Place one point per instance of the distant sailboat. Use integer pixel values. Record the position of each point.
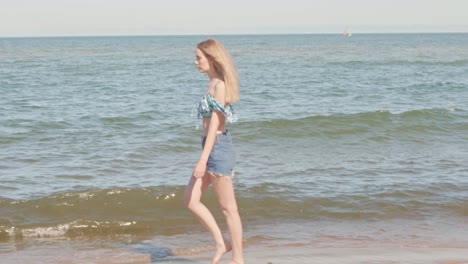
(347, 33)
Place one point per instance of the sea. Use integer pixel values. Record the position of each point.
(357, 141)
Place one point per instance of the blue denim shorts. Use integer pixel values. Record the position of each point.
(222, 157)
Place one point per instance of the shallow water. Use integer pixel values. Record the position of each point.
(97, 138)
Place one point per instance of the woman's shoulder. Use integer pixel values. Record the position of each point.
(219, 89)
(218, 83)
(215, 85)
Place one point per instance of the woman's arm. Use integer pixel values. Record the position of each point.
(216, 119)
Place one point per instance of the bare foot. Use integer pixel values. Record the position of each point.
(221, 249)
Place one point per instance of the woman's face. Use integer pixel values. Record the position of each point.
(202, 62)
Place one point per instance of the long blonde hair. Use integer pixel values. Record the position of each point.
(223, 65)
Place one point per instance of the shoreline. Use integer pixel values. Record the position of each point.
(267, 254)
(320, 242)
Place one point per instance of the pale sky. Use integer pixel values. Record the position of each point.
(175, 17)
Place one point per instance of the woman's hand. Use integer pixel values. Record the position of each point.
(199, 170)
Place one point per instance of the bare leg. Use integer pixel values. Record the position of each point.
(193, 193)
(227, 201)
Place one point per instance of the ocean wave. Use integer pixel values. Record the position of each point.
(382, 123)
(384, 62)
(160, 210)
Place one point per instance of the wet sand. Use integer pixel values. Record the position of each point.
(298, 243)
(306, 255)
(70, 252)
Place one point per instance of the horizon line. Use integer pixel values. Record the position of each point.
(231, 34)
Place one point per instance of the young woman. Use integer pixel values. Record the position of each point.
(216, 163)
